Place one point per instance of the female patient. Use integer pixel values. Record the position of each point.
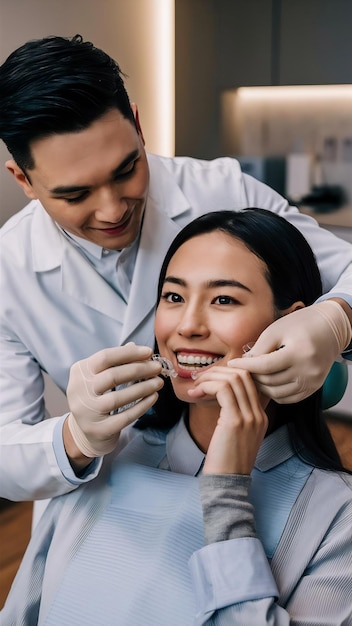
(218, 507)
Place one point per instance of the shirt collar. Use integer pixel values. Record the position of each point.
(275, 449)
(185, 457)
(183, 454)
(98, 252)
(92, 248)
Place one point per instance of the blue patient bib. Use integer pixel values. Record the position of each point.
(132, 569)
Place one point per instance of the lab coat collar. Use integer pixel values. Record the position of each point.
(50, 249)
(158, 232)
(163, 191)
(165, 201)
(47, 241)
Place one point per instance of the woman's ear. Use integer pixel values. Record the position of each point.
(20, 178)
(294, 307)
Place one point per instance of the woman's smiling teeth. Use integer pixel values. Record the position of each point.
(192, 361)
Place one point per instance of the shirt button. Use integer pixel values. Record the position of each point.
(106, 252)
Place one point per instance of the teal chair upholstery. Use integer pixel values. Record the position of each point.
(335, 385)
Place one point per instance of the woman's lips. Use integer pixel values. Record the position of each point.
(182, 373)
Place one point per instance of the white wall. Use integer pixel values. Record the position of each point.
(139, 34)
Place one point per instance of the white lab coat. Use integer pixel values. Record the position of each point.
(56, 309)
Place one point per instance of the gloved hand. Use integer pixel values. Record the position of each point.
(310, 340)
(94, 421)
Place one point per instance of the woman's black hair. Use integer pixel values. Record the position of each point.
(293, 275)
(56, 85)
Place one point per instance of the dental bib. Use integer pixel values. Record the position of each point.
(132, 567)
(118, 575)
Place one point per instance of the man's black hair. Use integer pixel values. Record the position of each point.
(56, 85)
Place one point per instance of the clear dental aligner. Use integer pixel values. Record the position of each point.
(167, 367)
(167, 370)
(247, 347)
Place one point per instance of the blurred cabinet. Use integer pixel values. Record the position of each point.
(243, 42)
(315, 42)
(283, 42)
(225, 44)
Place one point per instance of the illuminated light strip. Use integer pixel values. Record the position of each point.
(164, 32)
(295, 92)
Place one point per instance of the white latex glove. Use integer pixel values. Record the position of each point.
(94, 421)
(293, 356)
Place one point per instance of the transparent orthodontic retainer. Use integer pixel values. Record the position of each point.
(167, 367)
(167, 371)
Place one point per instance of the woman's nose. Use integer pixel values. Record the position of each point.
(193, 323)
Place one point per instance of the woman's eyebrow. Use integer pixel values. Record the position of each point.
(228, 283)
(66, 189)
(211, 284)
(175, 281)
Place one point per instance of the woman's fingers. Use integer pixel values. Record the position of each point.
(242, 421)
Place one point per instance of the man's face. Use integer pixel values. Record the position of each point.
(93, 183)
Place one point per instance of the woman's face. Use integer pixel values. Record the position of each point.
(215, 298)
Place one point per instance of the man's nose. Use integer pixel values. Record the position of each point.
(110, 206)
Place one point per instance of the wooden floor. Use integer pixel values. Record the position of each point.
(15, 528)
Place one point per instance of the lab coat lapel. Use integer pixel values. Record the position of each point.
(80, 281)
(166, 203)
(157, 233)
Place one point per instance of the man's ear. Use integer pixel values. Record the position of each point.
(20, 178)
(294, 307)
(136, 117)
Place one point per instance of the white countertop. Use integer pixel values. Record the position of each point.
(341, 217)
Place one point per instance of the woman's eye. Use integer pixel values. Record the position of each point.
(224, 300)
(171, 296)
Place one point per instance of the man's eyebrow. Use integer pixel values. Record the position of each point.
(211, 284)
(67, 189)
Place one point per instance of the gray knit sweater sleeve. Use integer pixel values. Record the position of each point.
(227, 512)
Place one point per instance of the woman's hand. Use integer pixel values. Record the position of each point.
(242, 421)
